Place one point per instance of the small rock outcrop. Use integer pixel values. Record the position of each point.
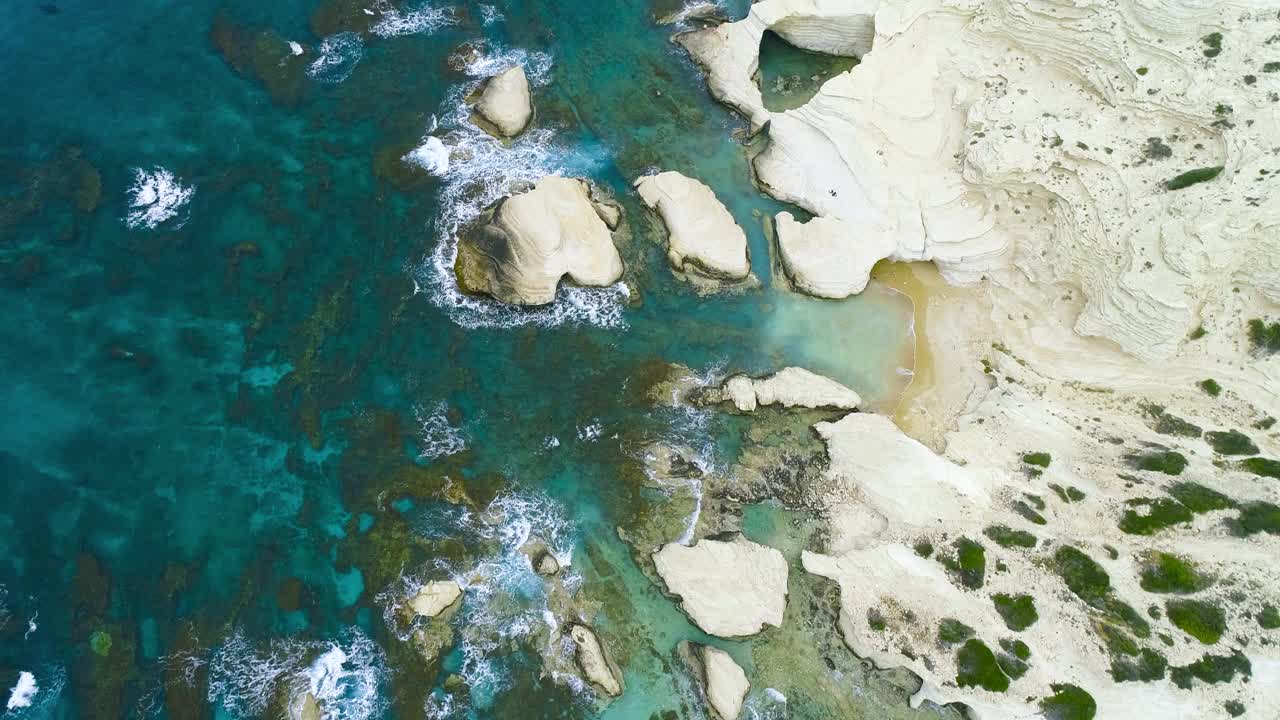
(702, 236)
(724, 683)
(789, 387)
(434, 598)
(521, 248)
(825, 258)
(304, 706)
(596, 665)
(728, 588)
(504, 103)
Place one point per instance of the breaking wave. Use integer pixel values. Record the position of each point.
(424, 19)
(344, 677)
(436, 436)
(479, 171)
(155, 197)
(339, 55)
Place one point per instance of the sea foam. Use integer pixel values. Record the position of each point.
(21, 695)
(437, 437)
(480, 172)
(344, 676)
(339, 55)
(156, 197)
(423, 19)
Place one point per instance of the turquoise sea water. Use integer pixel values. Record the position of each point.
(235, 426)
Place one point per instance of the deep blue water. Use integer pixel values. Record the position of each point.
(228, 434)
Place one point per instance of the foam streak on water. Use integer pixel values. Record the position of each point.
(344, 676)
(156, 197)
(339, 55)
(423, 19)
(437, 437)
(480, 170)
(21, 695)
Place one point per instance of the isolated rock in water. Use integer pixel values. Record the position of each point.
(504, 103)
(525, 244)
(435, 597)
(305, 707)
(702, 235)
(547, 564)
(725, 684)
(594, 662)
(730, 589)
(789, 387)
(824, 257)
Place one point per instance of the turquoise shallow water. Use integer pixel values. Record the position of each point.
(228, 434)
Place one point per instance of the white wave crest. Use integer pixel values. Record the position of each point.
(424, 19)
(506, 600)
(490, 15)
(21, 695)
(344, 677)
(156, 197)
(339, 55)
(437, 437)
(432, 155)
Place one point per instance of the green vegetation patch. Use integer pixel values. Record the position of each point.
(1269, 618)
(1086, 578)
(1263, 336)
(952, 631)
(1234, 708)
(1083, 576)
(1200, 499)
(1016, 648)
(1039, 459)
(1165, 573)
(1192, 177)
(1266, 467)
(1173, 425)
(1212, 44)
(1258, 517)
(1160, 514)
(876, 621)
(1168, 462)
(1068, 494)
(1018, 611)
(969, 564)
(1005, 536)
(1198, 619)
(1265, 423)
(1068, 702)
(924, 548)
(1028, 513)
(976, 666)
(1210, 387)
(1231, 442)
(1014, 667)
(1147, 666)
(1212, 669)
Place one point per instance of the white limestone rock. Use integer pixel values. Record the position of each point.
(728, 588)
(594, 661)
(703, 237)
(725, 684)
(434, 598)
(304, 706)
(521, 249)
(789, 387)
(504, 103)
(825, 257)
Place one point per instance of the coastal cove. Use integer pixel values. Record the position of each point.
(249, 414)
